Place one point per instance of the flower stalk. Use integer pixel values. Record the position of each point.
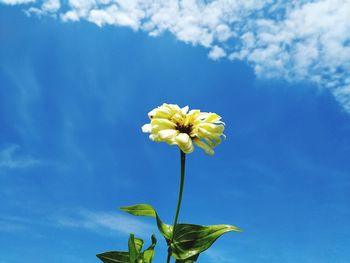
(182, 182)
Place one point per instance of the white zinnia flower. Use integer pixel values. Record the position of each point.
(179, 126)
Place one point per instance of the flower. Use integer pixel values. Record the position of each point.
(181, 127)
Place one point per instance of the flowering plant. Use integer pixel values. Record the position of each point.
(176, 126)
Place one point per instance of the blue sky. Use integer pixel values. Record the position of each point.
(75, 91)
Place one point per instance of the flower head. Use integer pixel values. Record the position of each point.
(179, 126)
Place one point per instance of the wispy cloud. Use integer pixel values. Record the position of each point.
(305, 40)
(104, 222)
(100, 222)
(10, 227)
(10, 158)
(12, 223)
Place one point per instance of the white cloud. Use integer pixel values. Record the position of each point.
(100, 222)
(70, 16)
(10, 159)
(51, 5)
(48, 7)
(299, 40)
(113, 15)
(16, 2)
(104, 223)
(216, 53)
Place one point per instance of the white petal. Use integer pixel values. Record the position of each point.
(184, 110)
(160, 112)
(163, 122)
(212, 117)
(184, 142)
(146, 128)
(154, 137)
(173, 107)
(167, 134)
(204, 146)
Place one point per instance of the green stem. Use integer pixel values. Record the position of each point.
(169, 256)
(182, 181)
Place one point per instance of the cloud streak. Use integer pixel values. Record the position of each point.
(9, 159)
(305, 40)
(100, 222)
(103, 222)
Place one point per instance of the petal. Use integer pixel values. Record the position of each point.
(167, 134)
(202, 116)
(184, 142)
(212, 117)
(211, 127)
(146, 128)
(204, 146)
(212, 142)
(184, 110)
(161, 112)
(155, 137)
(194, 112)
(163, 122)
(209, 130)
(173, 108)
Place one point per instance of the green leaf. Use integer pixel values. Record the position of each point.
(189, 260)
(138, 244)
(147, 210)
(139, 210)
(135, 246)
(190, 240)
(148, 254)
(134, 255)
(114, 257)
